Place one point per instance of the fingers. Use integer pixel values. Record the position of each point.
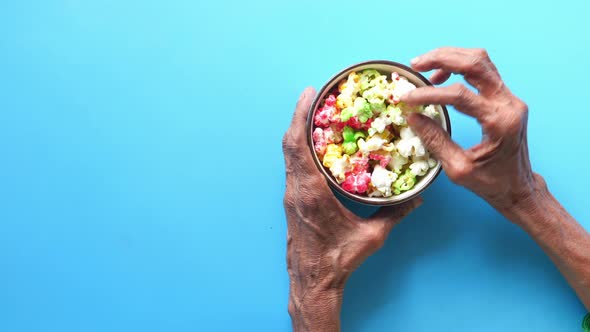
(474, 64)
(300, 115)
(437, 140)
(295, 146)
(440, 76)
(457, 95)
(392, 215)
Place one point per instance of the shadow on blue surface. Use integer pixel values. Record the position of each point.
(370, 287)
(385, 278)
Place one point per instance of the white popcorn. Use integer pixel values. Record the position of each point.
(374, 143)
(410, 145)
(401, 87)
(378, 125)
(430, 111)
(406, 133)
(382, 179)
(397, 162)
(339, 168)
(419, 167)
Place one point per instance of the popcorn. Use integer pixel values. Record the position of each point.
(384, 158)
(430, 111)
(420, 166)
(381, 180)
(404, 182)
(356, 135)
(359, 163)
(394, 114)
(374, 143)
(348, 89)
(350, 137)
(341, 166)
(333, 152)
(410, 144)
(401, 86)
(328, 113)
(357, 183)
(319, 141)
(397, 162)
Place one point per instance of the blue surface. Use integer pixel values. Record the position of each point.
(141, 173)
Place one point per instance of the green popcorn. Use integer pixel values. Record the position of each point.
(348, 134)
(350, 137)
(368, 77)
(404, 183)
(364, 113)
(346, 114)
(359, 134)
(349, 147)
(378, 107)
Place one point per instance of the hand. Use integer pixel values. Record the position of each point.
(498, 169)
(325, 241)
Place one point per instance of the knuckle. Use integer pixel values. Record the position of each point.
(288, 143)
(285, 141)
(460, 170)
(482, 53)
(374, 237)
(460, 90)
(288, 200)
(521, 106)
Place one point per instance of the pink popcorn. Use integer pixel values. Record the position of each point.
(354, 123)
(395, 76)
(328, 113)
(319, 140)
(332, 136)
(356, 183)
(331, 100)
(359, 163)
(383, 159)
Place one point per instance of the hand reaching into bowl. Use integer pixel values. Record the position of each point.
(325, 241)
(498, 169)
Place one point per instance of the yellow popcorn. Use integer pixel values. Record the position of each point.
(333, 152)
(340, 166)
(343, 101)
(342, 86)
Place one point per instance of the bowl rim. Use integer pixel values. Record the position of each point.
(374, 201)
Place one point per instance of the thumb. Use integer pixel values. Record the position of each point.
(435, 138)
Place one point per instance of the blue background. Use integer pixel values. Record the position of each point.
(141, 173)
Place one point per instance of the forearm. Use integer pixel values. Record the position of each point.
(558, 234)
(314, 309)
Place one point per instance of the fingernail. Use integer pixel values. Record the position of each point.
(302, 96)
(415, 60)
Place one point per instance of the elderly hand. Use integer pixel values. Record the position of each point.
(325, 241)
(498, 169)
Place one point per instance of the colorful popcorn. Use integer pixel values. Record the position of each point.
(362, 137)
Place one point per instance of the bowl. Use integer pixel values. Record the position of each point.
(385, 67)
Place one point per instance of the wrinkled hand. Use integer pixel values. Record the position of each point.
(497, 169)
(325, 241)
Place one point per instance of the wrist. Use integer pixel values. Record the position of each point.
(315, 308)
(528, 208)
